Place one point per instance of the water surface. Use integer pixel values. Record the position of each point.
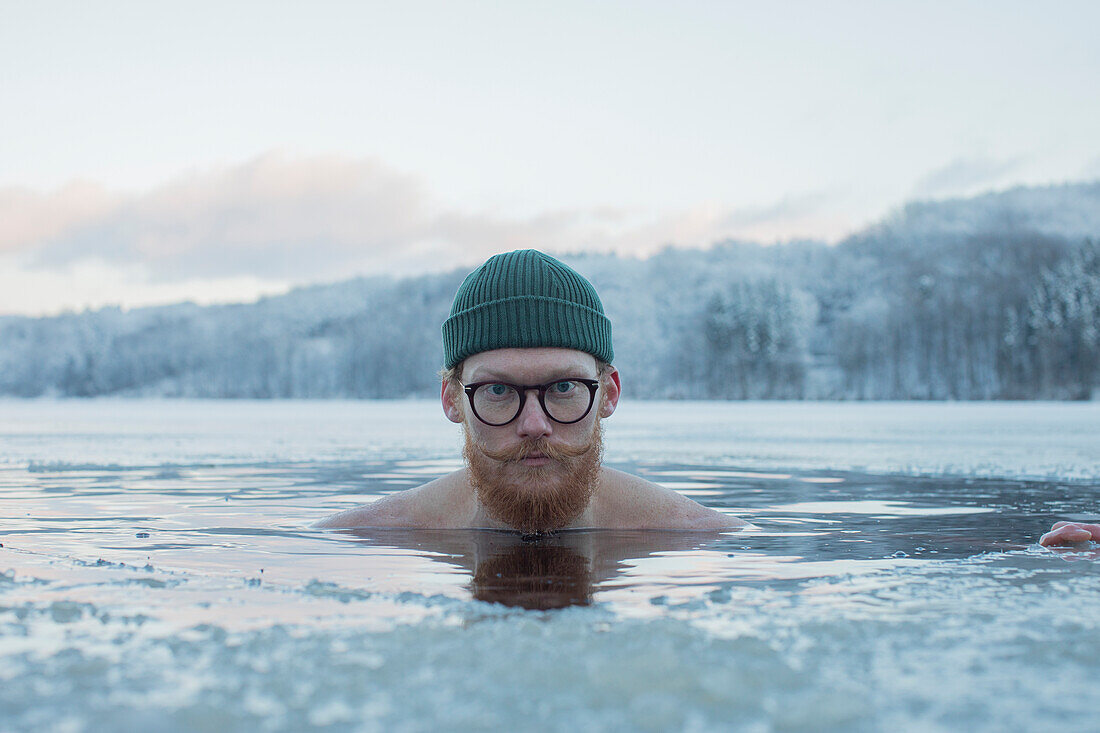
(159, 569)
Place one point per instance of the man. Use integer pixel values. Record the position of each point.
(528, 375)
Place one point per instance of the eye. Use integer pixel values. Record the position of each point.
(562, 388)
(497, 390)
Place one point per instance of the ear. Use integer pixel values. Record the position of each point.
(450, 394)
(611, 391)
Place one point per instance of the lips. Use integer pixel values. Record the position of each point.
(535, 459)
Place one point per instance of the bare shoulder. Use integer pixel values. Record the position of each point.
(438, 504)
(625, 501)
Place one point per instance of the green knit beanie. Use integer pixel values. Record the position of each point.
(525, 299)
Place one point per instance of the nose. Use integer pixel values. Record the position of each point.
(533, 422)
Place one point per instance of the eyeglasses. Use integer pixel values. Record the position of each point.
(565, 401)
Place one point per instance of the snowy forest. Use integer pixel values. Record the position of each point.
(992, 297)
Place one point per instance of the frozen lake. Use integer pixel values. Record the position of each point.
(158, 571)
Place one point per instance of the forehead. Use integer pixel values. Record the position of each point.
(528, 366)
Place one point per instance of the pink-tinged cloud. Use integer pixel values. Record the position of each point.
(30, 218)
(299, 220)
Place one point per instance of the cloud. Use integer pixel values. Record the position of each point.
(28, 218)
(965, 175)
(274, 221)
(639, 232)
(270, 217)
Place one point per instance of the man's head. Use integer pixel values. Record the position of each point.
(528, 375)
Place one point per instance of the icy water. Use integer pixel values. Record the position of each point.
(159, 572)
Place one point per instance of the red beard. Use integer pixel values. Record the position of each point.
(535, 498)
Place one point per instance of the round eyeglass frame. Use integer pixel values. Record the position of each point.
(523, 389)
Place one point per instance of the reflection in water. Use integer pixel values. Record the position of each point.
(534, 575)
(551, 571)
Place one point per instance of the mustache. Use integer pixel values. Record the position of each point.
(539, 446)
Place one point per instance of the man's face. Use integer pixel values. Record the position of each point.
(533, 473)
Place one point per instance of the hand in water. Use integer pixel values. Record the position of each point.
(1070, 533)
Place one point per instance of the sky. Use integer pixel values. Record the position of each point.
(153, 152)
